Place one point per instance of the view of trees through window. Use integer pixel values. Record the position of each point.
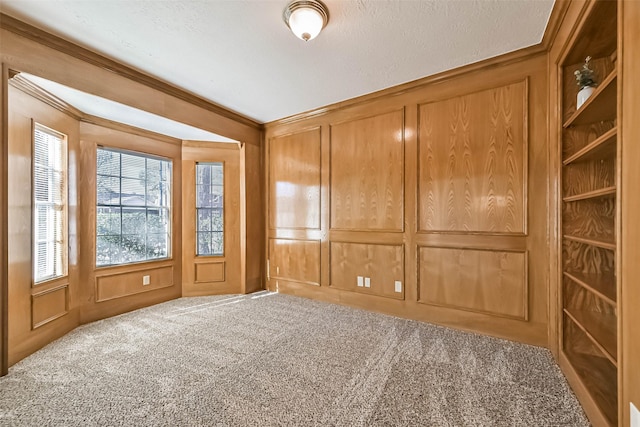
(133, 221)
(49, 204)
(210, 209)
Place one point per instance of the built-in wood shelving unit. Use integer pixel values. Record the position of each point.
(603, 285)
(590, 183)
(601, 192)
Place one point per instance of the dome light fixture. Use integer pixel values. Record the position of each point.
(306, 18)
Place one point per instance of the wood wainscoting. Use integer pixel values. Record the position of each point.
(420, 204)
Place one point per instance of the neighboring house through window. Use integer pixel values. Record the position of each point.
(133, 221)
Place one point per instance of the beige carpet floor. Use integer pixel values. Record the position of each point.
(276, 360)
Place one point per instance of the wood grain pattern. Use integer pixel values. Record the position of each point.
(536, 242)
(602, 67)
(491, 282)
(122, 284)
(472, 162)
(382, 264)
(578, 137)
(208, 272)
(367, 170)
(629, 243)
(597, 374)
(294, 180)
(232, 280)
(4, 229)
(587, 176)
(591, 218)
(295, 260)
(49, 305)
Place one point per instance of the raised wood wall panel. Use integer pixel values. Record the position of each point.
(382, 264)
(49, 305)
(367, 169)
(491, 282)
(341, 226)
(209, 272)
(30, 304)
(294, 180)
(472, 162)
(295, 260)
(233, 276)
(117, 285)
(252, 244)
(99, 300)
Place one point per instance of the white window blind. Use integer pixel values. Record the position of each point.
(49, 204)
(133, 221)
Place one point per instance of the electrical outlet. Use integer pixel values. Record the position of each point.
(360, 281)
(398, 286)
(635, 415)
(367, 282)
(146, 280)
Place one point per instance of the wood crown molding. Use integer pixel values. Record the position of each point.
(48, 98)
(53, 101)
(30, 32)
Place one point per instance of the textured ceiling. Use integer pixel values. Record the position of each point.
(240, 54)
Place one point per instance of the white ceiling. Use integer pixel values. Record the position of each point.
(240, 54)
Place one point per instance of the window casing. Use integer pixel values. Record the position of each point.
(49, 204)
(210, 209)
(133, 212)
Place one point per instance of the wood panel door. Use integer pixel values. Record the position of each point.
(209, 270)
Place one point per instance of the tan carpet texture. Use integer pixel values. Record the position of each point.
(275, 360)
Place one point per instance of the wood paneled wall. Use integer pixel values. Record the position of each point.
(428, 195)
(108, 291)
(211, 275)
(38, 313)
(629, 315)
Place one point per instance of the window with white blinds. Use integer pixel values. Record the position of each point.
(210, 209)
(49, 204)
(133, 221)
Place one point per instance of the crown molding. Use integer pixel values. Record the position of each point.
(555, 20)
(48, 98)
(38, 35)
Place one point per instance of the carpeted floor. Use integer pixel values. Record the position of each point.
(276, 360)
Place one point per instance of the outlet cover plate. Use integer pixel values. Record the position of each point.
(398, 286)
(360, 281)
(635, 415)
(146, 280)
(367, 282)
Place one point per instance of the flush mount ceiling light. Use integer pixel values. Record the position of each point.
(306, 18)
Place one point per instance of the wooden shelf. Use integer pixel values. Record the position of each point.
(601, 192)
(602, 147)
(591, 241)
(600, 328)
(603, 285)
(601, 105)
(599, 377)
